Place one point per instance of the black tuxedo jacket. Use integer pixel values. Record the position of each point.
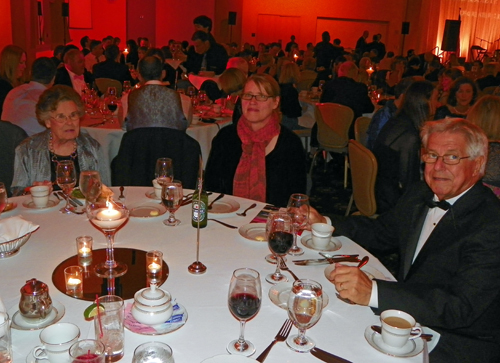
(62, 77)
(113, 70)
(454, 284)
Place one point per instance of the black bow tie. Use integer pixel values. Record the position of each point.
(443, 204)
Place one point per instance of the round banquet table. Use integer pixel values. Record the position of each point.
(210, 325)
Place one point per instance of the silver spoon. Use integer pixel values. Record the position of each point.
(220, 196)
(363, 261)
(224, 224)
(244, 214)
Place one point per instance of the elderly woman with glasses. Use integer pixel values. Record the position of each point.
(59, 109)
(258, 158)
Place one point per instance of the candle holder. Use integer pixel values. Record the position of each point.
(154, 262)
(84, 246)
(109, 219)
(73, 275)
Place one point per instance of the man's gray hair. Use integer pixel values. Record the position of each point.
(477, 142)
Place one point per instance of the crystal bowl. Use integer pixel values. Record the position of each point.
(10, 248)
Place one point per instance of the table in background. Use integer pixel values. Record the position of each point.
(210, 325)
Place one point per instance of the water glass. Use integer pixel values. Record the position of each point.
(153, 352)
(5, 339)
(109, 328)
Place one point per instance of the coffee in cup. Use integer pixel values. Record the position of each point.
(158, 188)
(398, 327)
(321, 234)
(40, 195)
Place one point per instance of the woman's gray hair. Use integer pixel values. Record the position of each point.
(49, 101)
(477, 142)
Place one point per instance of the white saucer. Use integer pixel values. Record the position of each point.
(224, 206)
(146, 210)
(152, 195)
(371, 272)
(31, 359)
(177, 321)
(279, 294)
(51, 203)
(229, 358)
(254, 232)
(20, 323)
(333, 245)
(410, 349)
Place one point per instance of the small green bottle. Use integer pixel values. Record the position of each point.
(199, 209)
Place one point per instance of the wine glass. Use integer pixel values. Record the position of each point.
(280, 240)
(298, 207)
(304, 309)
(126, 87)
(3, 197)
(202, 97)
(164, 170)
(171, 197)
(321, 84)
(271, 258)
(111, 100)
(90, 185)
(244, 298)
(66, 179)
(108, 218)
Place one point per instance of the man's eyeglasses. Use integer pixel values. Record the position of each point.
(450, 159)
(60, 118)
(259, 97)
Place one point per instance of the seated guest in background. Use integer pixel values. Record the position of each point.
(85, 43)
(486, 114)
(173, 63)
(153, 104)
(59, 109)
(144, 43)
(111, 68)
(395, 75)
(73, 73)
(232, 82)
(205, 55)
(95, 56)
(133, 55)
(463, 94)
(383, 115)
(448, 277)
(446, 78)
(20, 103)
(386, 62)
(12, 67)
(267, 65)
(397, 147)
(12, 135)
(307, 75)
(364, 64)
(489, 79)
(57, 56)
(290, 107)
(432, 72)
(257, 158)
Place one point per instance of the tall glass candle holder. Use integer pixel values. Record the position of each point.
(154, 262)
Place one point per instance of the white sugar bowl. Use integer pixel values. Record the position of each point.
(152, 305)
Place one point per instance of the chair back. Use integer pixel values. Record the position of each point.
(103, 84)
(491, 90)
(360, 128)
(364, 173)
(306, 81)
(333, 122)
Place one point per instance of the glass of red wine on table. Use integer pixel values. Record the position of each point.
(279, 229)
(244, 299)
(111, 100)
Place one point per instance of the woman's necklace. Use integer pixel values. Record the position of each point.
(54, 158)
(461, 112)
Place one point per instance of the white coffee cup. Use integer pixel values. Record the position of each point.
(397, 328)
(157, 188)
(56, 340)
(321, 234)
(40, 195)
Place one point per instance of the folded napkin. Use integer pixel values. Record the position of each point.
(15, 227)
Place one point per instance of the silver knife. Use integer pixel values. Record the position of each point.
(326, 261)
(327, 357)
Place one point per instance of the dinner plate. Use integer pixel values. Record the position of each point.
(410, 349)
(152, 195)
(371, 272)
(254, 232)
(177, 321)
(146, 210)
(279, 294)
(20, 323)
(30, 205)
(229, 358)
(333, 245)
(224, 206)
(10, 206)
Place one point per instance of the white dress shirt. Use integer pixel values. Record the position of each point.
(78, 82)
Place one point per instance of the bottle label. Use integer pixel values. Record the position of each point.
(199, 211)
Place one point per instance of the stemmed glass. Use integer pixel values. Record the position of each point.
(164, 170)
(90, 185)
(298, 207)
(280, 240)
(3, 197)
(66, 179)
(171, 197)
(304, 309)
(202, 97)
(109, 218)
(111, 100)
(244, 298)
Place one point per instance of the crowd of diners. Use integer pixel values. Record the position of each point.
(436, 139)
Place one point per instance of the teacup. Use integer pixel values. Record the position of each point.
(321, 234)
(56, 340)
(40, 195)
(158, 188)
(397, 328)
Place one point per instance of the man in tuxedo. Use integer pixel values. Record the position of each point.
(73, 74)
(446, 230)
(111, 67)
(205, 55)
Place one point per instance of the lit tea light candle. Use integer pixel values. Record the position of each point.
(73, 283)
(109, 218)
(154, 268)
(295, 57)
(370, 71)
(84, 251)
(125, 52)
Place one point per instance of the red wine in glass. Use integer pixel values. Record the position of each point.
(244, 306)
(280, 242)
(112, 107)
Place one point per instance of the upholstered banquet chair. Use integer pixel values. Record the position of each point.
(12, 135)
(140, 148)
(103, 84)
(360, 128)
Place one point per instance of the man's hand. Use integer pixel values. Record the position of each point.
(352, 283)
(315, 217)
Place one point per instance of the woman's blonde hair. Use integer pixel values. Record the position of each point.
(232, 80)
(9, 61)
(290, 73)
(51, 98)
(486, 114)
(266, 83)
(266, 59)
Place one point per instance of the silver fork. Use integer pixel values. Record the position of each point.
(280, 337)
(283, 266)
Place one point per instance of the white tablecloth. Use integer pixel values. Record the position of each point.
(210, 326)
